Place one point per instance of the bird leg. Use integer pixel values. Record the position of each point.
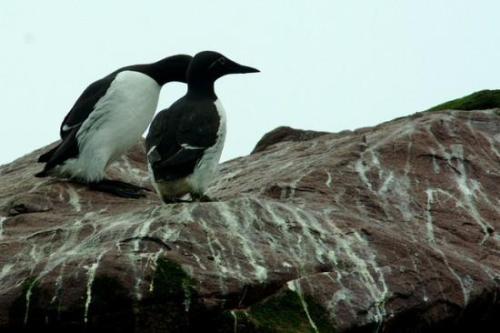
(118, 188)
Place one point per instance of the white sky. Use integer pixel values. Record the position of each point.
(326, 65)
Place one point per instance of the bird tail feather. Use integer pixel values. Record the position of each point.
(42, 174)
(44, 158)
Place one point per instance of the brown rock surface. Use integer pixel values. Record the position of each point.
(389, 229)
(284, 134)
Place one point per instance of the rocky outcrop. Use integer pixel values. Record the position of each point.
(385, 229)
(283, 134)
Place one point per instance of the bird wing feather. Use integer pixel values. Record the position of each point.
(178, 138)
(85, 104)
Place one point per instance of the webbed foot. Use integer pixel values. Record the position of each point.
(119, 188)
(201, 198)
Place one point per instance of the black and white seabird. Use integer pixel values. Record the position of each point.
(185, 141)
(107, 119)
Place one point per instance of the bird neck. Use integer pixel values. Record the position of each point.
(165, 71)
(201, 89)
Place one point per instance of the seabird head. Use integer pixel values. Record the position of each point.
(210, 65)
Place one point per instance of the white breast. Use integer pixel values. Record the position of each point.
(207, 167)
(117, 122)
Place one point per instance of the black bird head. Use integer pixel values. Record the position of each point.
(208, 66)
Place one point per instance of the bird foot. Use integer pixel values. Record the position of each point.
(127, 185)
(201, 198)
(175, 201)
(119, 188)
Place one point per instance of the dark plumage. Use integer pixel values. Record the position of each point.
(187, 123)
(102, 120)
(185, 141)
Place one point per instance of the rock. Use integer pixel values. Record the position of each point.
(389, 229)
(284, 134)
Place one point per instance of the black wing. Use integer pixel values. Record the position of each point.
(85, 104)
(179, 136)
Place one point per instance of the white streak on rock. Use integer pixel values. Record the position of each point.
(468, 189)
(328, 182)
(199, 262)
(341, 295)
(432, 241)
(235, 317)
(216, 255)
(435, 165)
(144, 228)
(379, 294)
(364, 264)
(386, 183)
(361, 169)
(74, 199)
(28, 299)
(308, 223)
(5, 270)
(153, 260)
(295, 287)
(429, 227)
(58, 286)
(2, 220)
(408, 156)
(293, 184)
(238, 228)
(90, 280)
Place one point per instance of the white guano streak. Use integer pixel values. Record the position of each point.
(237, 229)
(74, 199)
(432, 241)
(295, 287)
(2, 220)
(91, 276)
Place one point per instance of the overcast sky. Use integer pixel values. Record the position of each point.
(325, 65)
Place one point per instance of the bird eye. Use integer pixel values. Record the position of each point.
(222, 61)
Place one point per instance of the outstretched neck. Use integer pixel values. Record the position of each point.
(164, 71)
(201, 89)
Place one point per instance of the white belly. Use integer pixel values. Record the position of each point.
(116, 124)
(206, 168)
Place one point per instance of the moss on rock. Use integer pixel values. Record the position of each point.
(481, 100)
(171, 282)
(172, 303)
(285, 312)
(111, 307)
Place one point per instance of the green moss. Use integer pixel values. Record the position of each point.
(171, 282)
(111, 306)
(172, 306)
(173, 302)
(286, 313)
(481, 100)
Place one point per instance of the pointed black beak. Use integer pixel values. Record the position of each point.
(235, 68)
(246, 69)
